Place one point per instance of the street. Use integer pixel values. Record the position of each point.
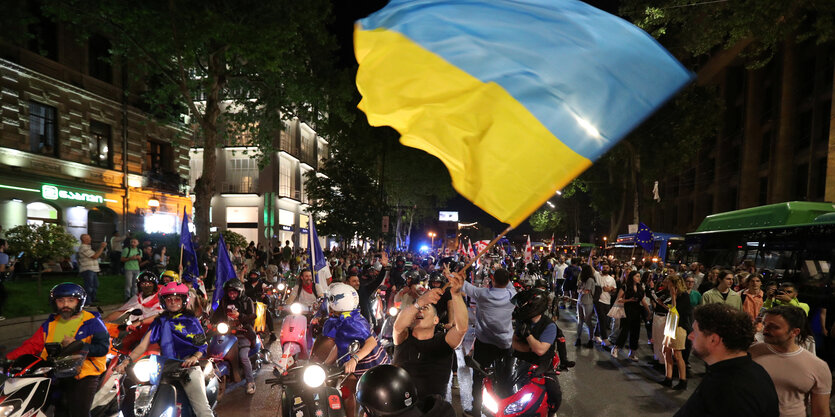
(597, 386)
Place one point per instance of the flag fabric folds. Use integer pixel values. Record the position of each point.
(516, 98)
(188, 260)
(644, 237)
(319, 265)
(224, 271)
(528, 251)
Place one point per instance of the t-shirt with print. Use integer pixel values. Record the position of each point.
(795, 374)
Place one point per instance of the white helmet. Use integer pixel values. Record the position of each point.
(343, 297)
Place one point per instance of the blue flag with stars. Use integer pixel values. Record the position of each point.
(189, 258)
(644, 237)
(178, 336)
(224, 271)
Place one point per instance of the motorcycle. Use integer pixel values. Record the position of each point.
(223, 353)
(29, 378)
(312, 389)
(161, 393)
(386, 332)
(512, 387)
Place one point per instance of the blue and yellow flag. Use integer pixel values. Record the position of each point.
(645, 238)
(516, 98)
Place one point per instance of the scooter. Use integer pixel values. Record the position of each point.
(223, 351)
(295, 337)
(386, 333)
(312, 388)
(512, 387)
(161, 392)
(28, 387)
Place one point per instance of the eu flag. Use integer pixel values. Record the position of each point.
(188, 258)
(644, 237)
(319, 266)
(224, 271)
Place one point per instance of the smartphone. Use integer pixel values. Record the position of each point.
(20, 255)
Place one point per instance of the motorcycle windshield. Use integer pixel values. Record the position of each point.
(510, 375)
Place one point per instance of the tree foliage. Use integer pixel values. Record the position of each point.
(41, 243)
(232, 239)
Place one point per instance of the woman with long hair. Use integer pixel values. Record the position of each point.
(632, 296)
(673, 347)
(585, 303)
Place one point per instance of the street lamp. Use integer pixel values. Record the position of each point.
(605, 238)
(432, 235)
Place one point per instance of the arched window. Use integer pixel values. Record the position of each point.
(40, 213)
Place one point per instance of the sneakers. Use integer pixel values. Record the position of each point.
(250, 388)
(615, 351)
(563, 366)
(633, 356)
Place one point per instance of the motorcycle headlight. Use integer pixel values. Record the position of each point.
(518, 405)
(144, 369)
(314, 376)
(296, 308)
(222, 328)
(39, 371)
(281, 287)
(9, 408)
(489, 402)
(393, 311)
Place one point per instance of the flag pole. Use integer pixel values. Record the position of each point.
(181, 258)
(482, 252)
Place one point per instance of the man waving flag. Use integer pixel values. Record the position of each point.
(516, 98)
(318, 263)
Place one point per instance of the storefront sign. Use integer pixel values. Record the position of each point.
(286, 228)
(304, 230)
(51, 192)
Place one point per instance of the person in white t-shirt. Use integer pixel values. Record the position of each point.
(602, 305)
(559, 270)
(799, 376)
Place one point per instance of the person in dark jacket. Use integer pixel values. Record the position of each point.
(238, 310)
(367, 286)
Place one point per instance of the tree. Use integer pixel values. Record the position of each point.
(544, 220)
(240, 68)
(41, 243)
(232, 239)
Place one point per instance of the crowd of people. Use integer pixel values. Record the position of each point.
(745, 330)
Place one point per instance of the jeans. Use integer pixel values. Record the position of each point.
(485, 354)
(91, 284)
(603, 320)
(196, 392)
(585, 314)
(243, 355)
(76, 396)
(130, 283)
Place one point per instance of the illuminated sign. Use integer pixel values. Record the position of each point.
(51, 192)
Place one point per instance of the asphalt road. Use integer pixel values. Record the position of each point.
(597, 386)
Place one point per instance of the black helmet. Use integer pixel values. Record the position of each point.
(411, 277)
(541, 283)
(436, 276)
(67, 289)
(401, 260)
(386, 390)
(253, 274)
(233, 284)
(529, 304)
(147, 276)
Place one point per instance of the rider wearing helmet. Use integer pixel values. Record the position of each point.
(388, 391)
(145, 300)
(67, 324)
(255, 288)
(347, 326)
(238, 310)
(169, 276)
(535, 338)
(180, 336)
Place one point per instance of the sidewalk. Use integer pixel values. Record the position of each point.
(13, 332)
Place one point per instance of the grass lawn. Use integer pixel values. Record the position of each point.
(24, 299)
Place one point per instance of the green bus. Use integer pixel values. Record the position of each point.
(792, 241)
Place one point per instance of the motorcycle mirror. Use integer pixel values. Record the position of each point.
(354, 347)
(136, 312)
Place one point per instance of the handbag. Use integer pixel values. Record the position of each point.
(617, 311)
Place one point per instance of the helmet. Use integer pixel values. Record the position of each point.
(411, 277)
(148, 276)
(529, 304)
(67, 289)
(541, 283)
(386, 390)
(233, 284)
(173, 288)
(175, 277)
(343, 297)
(253, 274)
(436, 276)
(401, 260)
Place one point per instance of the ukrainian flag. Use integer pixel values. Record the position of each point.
(517, 98)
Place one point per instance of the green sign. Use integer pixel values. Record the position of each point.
(51, 192)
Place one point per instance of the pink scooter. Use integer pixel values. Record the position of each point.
(295, 340)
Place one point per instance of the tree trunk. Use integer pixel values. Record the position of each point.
(752, 143)
(782, 178)
(617, 219)
(408, 239)
(205, 187)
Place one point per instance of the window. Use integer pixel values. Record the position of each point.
(43, 34)
(101, 145)
(284, 177)
(40, 213)
(42, 132)
(241, 175)
(307, 149)
(98, 51)
(158, 157)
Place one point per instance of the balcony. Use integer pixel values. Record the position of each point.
(168, 182)
(239, 187)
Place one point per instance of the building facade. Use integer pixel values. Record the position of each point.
(75, 151)
(269, 205)
(750, 163)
